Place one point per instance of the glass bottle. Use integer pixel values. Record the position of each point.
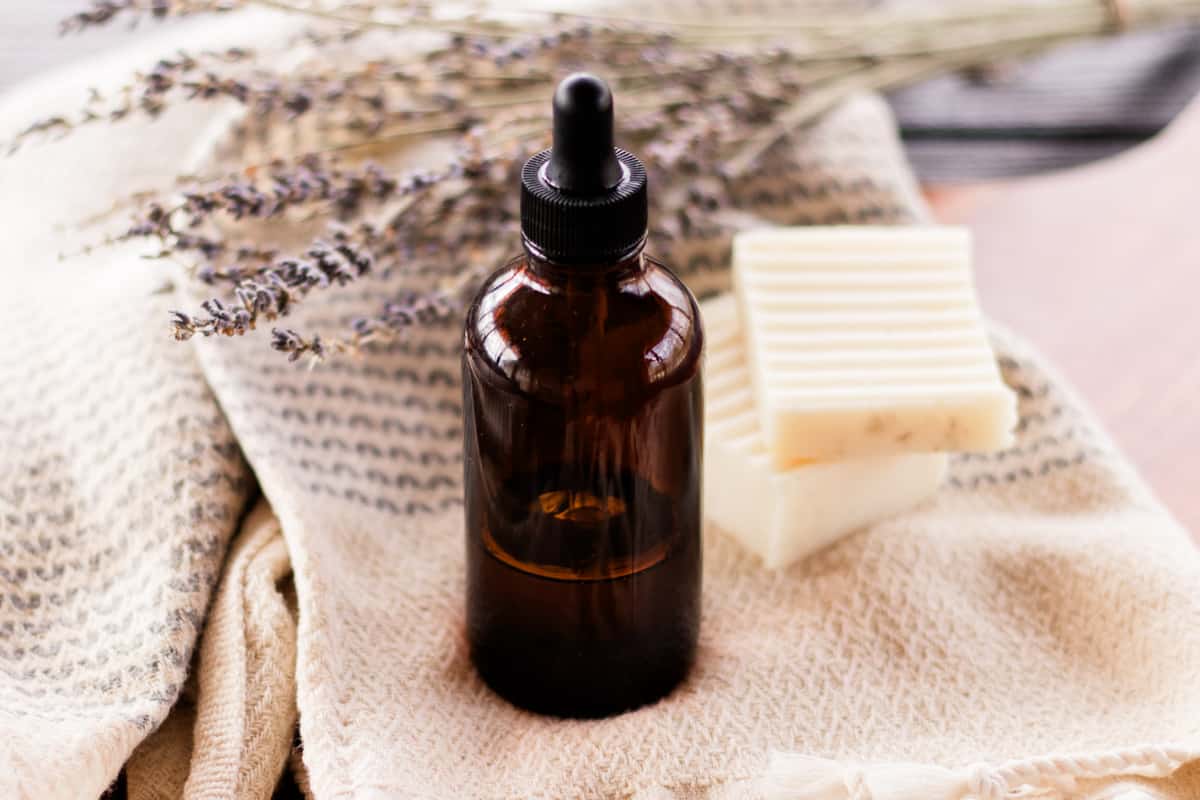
(583, 434)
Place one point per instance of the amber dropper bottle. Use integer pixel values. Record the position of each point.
(583, 434)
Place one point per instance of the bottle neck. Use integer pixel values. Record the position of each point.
(630, 262)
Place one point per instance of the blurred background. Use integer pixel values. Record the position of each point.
(1075, 105)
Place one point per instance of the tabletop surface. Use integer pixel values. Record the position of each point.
(1097, 266)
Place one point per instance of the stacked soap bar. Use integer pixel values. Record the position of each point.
(868, 341)
(850, 363)
(786, 514)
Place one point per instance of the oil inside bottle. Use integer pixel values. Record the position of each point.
(583, 602)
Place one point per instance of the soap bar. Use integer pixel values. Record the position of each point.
(866, 341)
(783, 515)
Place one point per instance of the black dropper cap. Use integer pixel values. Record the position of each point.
(583, 201)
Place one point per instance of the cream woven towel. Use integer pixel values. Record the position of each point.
(158, 768)
(246, 716)
(1043, 604)
(120, 481)
(236, 738)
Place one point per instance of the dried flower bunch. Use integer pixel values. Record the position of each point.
(701, 100)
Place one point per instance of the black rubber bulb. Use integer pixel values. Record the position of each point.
(582, 160)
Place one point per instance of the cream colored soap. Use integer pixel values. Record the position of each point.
(783, 515)
(868, 341)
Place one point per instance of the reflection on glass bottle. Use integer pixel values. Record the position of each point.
(583, 406)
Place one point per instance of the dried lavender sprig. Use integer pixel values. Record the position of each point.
(248, 263)
(481, 214)
(273, 286)
(369, 96)
(258, 294)
(156, 221)
(361, 17)
(290, 342)
(313, 180)
(690, 129)
(147, 93)
(102, 12)
(289, 186)
(396, 317)
(271, 294)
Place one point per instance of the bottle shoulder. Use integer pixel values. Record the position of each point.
(626, 330)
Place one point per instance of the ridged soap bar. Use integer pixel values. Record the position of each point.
(783, 515)
(867, 341)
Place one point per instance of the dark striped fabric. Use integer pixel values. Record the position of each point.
(1074, 105)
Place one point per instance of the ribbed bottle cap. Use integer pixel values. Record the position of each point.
(583, 201)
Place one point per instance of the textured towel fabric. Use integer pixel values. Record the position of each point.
(1043, 605)
(120, 484)
(158, 768)
(234, 738)
(120, 480)
(246, 714)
